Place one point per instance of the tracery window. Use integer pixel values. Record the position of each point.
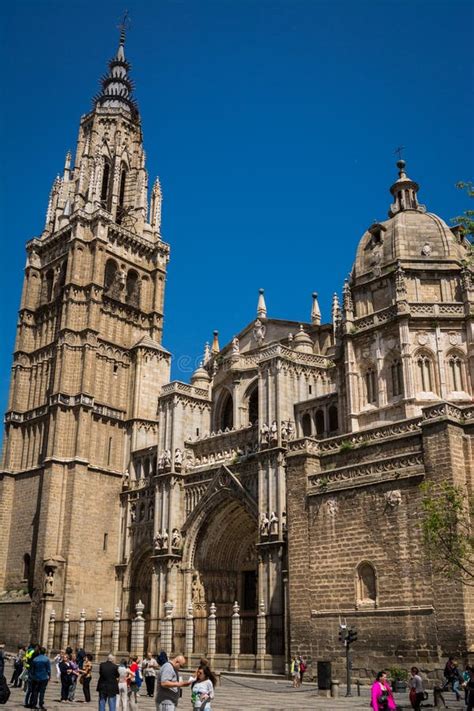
(371, 385)
(456, 372)
(396, 371)
(133, 288)
(104, 191)
(110, 272)
(319, 422)
(121, 197)
(333, 418)
(253, 406)
(425, 373)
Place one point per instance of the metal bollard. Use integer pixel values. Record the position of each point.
(334, 688)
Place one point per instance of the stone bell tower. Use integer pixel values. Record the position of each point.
(87, 367)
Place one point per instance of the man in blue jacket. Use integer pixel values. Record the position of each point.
(40, 675)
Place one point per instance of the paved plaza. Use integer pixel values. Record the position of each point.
(236, 693)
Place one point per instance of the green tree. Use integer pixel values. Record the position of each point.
(447, 530)
(467, 218)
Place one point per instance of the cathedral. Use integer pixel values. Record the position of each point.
(281, 485)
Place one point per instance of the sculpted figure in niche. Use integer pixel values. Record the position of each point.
(264, 525)
(273, 523)
(178, 456)
(158, 541)
(133, 513)
(175, 538)
(284, 432)
(48, 587)
(197, 589)
(167, 459)
(274, 432)
(164, 537)
(235, 346)
(265, 433)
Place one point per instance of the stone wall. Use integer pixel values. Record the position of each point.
(15, 623)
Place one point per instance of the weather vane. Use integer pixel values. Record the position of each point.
(399, 151)
(124, 24)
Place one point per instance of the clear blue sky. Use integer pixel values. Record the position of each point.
(272, 125)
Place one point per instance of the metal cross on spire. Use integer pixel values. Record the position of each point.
(399, 152)
(124, 25)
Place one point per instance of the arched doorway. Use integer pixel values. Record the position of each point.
(140, 584)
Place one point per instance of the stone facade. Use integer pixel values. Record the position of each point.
(285, 476)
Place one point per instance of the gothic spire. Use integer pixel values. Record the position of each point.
(261, 305)
(315, 310)
(117, 87)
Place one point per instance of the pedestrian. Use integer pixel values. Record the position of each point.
(65, 677)
(31, 653)
(74, 672)
(85, 677)
(40, 676)
(4, 690)
(56, 661)
(169, 684)
(202, 688)
(107, 684)
(302, 669)
(452, 676)
(295, 672)
(125, 677)
(149, 669)
(470, 691)
(17, 668)
(80, 656)
(417, 693)
(381, 694)
(2, 660)
(135, 683)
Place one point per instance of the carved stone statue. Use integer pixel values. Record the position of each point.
(197, 589)
(265, 433)
(161, 462)
(291, 430)
(158, 541)
(175, 538)
(166, 459)
(284, 432)
(48, 586)
(164, 536)
(235, 346)
(133, 513)
(259, 331)
(273, 524)
(178, 456)
(264, 525)
(283, 522)
(274, 432)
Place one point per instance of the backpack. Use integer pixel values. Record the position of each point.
(162, 658)
(4, 690)
(138, 678)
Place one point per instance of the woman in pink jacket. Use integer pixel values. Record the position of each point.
(381, 694)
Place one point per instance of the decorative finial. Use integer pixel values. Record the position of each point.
(123, 26)
(261, 305)
(207, 353)
(215, 343)
(315, 311)
(404, 190)
(117, 86)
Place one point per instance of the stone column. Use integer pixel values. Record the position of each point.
(51, 625)
(211, 634)
(261, 637)
(189, 644)
(138, 631)
(82, 629)
(234, 657)
(98, 634)
(116, 631)
(166, 628)
(65, 635)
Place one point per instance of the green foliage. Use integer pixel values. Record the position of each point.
(346, 446)
(447, 530)
(323, 481)
(397, 674)
(467, 218)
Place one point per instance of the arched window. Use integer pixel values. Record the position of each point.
(133, 288)
(306, 425)
(319, 422)
(121, 197)
(48, 285)
(227, 416)
(371, 386)
(26, 566)
(456, 372)
(104, 190)
(253, 406)
(425, 373)
(333, 419)
(396, 372)
(146, 467)
(366, 583)
(110, 273)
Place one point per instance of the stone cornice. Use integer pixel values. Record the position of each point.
(186, 391)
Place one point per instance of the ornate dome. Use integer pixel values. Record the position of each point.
(411, 233)
(302, 342)
(200, 378)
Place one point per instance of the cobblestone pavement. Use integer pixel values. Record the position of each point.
(236, 693)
